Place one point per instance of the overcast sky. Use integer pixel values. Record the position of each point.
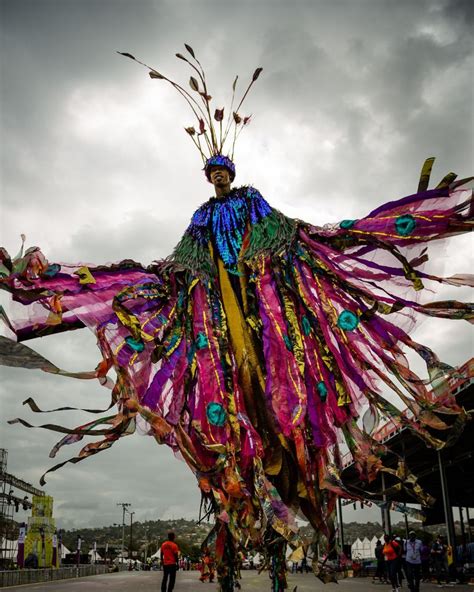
(96, 167)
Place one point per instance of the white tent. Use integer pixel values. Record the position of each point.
(360, 549)
(364, 549)
(9, 548)
(95, 555)
(356, 548)
(123, 560)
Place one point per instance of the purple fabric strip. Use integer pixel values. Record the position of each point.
(154, 391)
(405, 201)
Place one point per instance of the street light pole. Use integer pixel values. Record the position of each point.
(124, 505)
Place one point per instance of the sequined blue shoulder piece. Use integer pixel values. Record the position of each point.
(224, 221)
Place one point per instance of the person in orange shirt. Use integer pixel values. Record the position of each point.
(169, 559)
(391, 552)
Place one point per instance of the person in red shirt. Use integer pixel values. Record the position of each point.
(169, 559)
(391, 551)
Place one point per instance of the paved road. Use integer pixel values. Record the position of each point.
(188, 581)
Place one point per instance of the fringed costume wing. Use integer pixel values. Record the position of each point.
(253, 348)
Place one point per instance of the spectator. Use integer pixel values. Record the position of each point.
(413, 561)
(380, 572)
(425, 553)
(438, 557)
(169, 553)
(400, 560)
(391, 552)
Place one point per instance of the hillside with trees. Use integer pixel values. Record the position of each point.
(146, 537)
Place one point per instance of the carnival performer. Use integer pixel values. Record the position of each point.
(253, 348)
(207, 566)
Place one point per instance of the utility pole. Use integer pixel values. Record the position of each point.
(124, 505)
(131, 531)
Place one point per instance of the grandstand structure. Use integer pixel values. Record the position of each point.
(447, 474)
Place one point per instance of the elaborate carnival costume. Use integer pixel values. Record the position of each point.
(252, 348)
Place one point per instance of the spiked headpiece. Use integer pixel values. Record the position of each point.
(219, 160)
(210, 139)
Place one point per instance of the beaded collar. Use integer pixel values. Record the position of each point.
(224, 220)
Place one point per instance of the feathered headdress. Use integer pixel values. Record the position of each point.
(211, 135)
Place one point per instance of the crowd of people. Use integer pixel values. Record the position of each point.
(398, 559)
(413, 559)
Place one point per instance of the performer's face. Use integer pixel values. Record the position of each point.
(220, 176)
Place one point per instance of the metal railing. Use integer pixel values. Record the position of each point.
(32, 576)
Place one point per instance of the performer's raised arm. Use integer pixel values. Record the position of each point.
(62, 297)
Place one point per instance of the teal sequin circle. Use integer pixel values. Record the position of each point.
(347, 224)
(322, 390)
(216, 414)
(306, 325)
(347, 321)
(135, 344)
(52, 270)
(201, 341)
(405, 225)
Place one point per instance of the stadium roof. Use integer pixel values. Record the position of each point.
(423, 461)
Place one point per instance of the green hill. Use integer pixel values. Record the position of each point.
(145, 536)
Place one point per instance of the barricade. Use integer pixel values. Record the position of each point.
(32, 576)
